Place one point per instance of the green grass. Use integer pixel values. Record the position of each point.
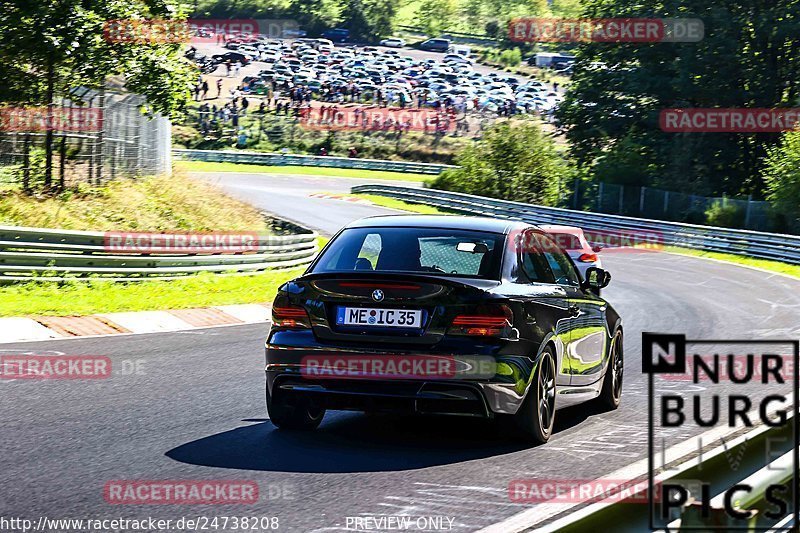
(78, 298)
(89, 297)
(392, 203)
(764, 264)
(160, 203)
(202, 166)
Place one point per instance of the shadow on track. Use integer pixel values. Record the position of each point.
(353, 442)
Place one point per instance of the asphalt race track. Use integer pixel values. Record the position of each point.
(196, 410)
(287, 196)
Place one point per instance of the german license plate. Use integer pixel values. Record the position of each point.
(385, 318)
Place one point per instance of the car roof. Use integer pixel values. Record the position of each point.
(494, 225)
(552, 228)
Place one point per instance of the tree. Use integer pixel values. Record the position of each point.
(370, 19)
(747, 59)
(514, 160)
(782, 178)
(436, 16)
(50, 46)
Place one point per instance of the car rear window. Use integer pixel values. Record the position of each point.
(420, 250)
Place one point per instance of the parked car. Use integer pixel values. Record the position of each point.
(435, 45)
(456, 58)
(233, 57)
(492, 313)
(337, 35)
(393, 42)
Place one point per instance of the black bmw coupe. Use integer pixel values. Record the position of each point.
(442, 315)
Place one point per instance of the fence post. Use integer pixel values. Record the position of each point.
(641, 200)
(621, 198)
(747, 211)
(100, 140)
(666, 201)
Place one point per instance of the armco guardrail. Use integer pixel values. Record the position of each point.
(48, 254)
(277, 159)
(779, 247)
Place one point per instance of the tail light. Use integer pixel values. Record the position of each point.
(587, 258)
(488, 321)
(290, 316)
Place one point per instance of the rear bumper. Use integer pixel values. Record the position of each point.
(408, 397)
(484, 396)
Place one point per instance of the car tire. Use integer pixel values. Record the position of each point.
(303, 416)
(611, 393)
(535, 418)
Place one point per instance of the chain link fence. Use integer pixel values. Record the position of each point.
(96, 136)
(659, 204)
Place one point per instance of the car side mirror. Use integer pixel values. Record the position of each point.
(597, 248)
(596, 279)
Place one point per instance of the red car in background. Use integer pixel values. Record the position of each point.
(574, 242)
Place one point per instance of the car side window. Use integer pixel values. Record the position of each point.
(563, 271)
(532, 260)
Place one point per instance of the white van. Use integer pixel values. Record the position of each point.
(460, 49)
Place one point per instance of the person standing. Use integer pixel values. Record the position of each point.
(204, 89)
(245, 105)
(219, 87)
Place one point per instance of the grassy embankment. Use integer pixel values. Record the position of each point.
(174, 204)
